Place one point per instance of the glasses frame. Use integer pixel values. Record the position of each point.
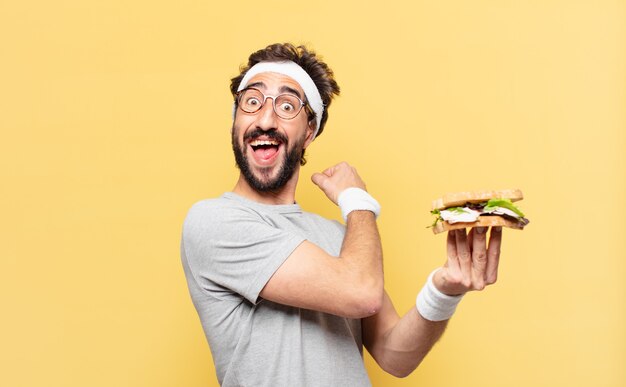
(273, 97)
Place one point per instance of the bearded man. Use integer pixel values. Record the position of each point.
(286, 297)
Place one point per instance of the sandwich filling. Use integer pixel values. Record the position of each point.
(470, 212)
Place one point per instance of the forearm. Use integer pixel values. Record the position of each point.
(361, 255)
(356, 278)
(361, 245)
(399, 344)
(408, 342)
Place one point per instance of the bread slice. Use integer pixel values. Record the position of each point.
(461, 198)
(483, 221)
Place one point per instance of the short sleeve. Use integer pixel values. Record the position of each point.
(234, 249)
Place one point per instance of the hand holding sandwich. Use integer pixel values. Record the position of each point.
(400, 343)
(472, 262)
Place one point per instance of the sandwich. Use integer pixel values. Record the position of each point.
(478, 209)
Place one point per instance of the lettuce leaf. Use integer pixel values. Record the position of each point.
(504, 203)
(438, 219)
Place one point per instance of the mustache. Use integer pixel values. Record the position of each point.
(272, 134)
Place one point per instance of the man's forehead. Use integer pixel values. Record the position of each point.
(278, 82)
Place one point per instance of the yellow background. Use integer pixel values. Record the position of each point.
(115, 118)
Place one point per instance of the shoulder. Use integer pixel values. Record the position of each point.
(217, 208)
(230, 214)
(213, 215)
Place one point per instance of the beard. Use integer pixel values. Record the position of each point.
(265, 182)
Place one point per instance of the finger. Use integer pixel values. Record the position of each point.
(465, 258)
(325, 184)
(319, 178)
(329, 171)
(479, 256)
(493, 255)
(453, 261)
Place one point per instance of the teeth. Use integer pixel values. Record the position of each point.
(263, 142)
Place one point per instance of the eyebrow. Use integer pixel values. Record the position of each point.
(288, 89)
(256, 85)
(282, 89)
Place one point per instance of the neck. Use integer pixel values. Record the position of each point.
(285, 195)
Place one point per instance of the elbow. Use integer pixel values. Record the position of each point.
(366, 310)
(367, 302)
(398, 371)
(361, 295)
(373, 303)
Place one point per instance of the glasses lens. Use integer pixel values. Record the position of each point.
(251, 100)
(287, 106)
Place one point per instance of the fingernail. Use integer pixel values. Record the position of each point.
(497, 229)
(481, 230)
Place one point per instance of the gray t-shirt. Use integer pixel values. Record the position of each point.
(230, 248)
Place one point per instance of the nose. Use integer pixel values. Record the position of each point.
(266, 117)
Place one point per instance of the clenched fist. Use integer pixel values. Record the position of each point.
(336, 179)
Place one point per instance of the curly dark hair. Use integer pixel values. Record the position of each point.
(319, 71)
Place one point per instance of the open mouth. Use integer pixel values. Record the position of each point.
(265, 149)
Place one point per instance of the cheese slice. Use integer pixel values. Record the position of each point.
(459, 214)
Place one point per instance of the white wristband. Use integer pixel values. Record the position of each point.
(354, 199)
(434, 305)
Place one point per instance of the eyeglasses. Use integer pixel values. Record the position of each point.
(286, 106)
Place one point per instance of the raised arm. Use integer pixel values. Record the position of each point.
(399, 344)
(350, 285)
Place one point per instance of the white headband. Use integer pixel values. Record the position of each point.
(295, 72)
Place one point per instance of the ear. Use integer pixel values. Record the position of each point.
(310, 129)
(232, 128)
